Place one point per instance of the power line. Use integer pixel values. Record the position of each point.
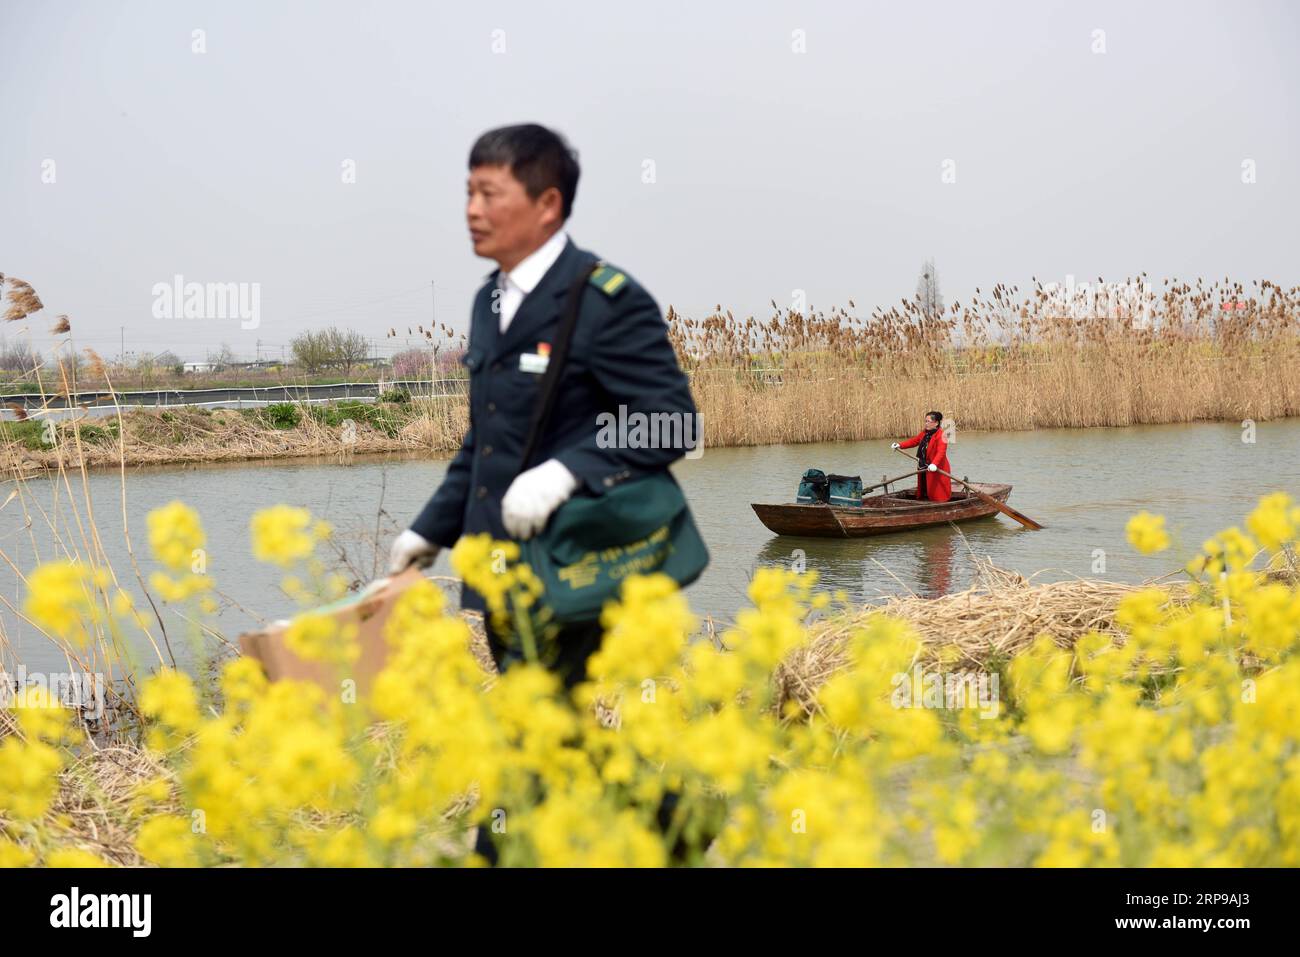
(359, 305)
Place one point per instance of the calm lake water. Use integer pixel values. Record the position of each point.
(1082, 484)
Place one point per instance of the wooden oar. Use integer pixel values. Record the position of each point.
(896, 478)
(1007, 510)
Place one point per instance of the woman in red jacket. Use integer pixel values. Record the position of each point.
(931, 449)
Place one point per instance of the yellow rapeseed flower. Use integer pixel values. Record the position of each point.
(1275, 521)
(61, 599)
(1146, 532)
(170, 698)
(74, 858)
(284, 535)
(319, 637)
(175, 534)
(168, 841)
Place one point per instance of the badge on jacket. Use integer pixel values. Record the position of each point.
(536, 362)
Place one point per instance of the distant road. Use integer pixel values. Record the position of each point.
(233, 397)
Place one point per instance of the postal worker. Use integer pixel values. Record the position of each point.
(522, 183)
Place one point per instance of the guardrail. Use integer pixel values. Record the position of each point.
(261, 395)
(435, 388)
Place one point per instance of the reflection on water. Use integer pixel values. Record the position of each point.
(1082, 484)
(936, 577)
(922, 562)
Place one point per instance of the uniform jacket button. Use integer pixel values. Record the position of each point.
(609, 481)
(492, 406)
(482, 491)
(487, 450)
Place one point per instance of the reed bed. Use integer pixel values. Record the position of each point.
(1008, 360)
(1061, 393)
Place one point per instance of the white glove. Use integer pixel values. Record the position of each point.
(533, 496)
(895, 446)
(411, 548)
(933, 468)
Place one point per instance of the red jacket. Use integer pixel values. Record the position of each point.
(932, 485)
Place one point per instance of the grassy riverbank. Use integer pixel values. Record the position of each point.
(192, 435)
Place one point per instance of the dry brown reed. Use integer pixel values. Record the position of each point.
(1127, 355)
(191, 435)
(23, 300)
(991, 622)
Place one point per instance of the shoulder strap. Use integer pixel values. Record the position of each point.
(555, 366)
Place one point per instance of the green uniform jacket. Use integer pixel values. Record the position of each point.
(619, 356)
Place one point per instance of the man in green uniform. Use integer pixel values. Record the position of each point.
(522, 184)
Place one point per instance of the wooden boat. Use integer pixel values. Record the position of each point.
(879, 514)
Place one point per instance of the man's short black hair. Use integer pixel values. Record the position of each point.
(537, 157)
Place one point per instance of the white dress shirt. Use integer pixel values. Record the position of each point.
(523, 279)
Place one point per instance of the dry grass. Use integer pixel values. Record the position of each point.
(190, 435)
(1065, 392)
(991, 622)
(998, 617)
(1005, 361)
(95, 798)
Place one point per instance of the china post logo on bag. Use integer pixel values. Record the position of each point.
(618, 562)
(653, 430)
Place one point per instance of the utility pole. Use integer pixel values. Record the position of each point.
(433, 306)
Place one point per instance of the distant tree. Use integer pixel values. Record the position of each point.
(312, 351)
(150, 366)
(349, 348)
(222, 358)
(17, 357)
(67, 365)
(928, 295)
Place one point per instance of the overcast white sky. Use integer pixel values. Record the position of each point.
(775, 170)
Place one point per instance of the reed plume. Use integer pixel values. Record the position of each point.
(23, 300)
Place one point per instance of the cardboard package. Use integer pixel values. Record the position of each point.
(367, 610)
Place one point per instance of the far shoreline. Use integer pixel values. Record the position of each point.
(28, 463)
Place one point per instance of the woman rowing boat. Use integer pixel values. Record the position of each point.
(931, 449)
